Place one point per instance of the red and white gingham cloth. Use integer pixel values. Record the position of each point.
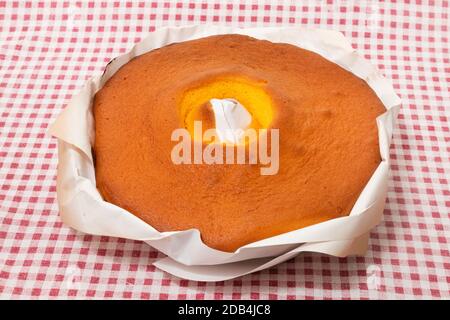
(48, 49)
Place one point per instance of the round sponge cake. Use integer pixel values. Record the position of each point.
(328, 140)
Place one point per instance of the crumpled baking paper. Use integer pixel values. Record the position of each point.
(82, 207)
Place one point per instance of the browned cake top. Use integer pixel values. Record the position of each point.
(328, 141)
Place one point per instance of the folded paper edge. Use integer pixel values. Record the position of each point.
(230, 271)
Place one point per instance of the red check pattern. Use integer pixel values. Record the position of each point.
(48, 49)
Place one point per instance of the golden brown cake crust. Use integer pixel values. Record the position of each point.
(328, 141)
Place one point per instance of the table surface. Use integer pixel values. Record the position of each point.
(48, 49)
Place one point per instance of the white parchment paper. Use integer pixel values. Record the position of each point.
(82, 207)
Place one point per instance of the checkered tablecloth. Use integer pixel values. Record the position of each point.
(48, 49)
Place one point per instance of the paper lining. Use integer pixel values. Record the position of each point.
(82, 207)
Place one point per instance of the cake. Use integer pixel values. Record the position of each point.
(328, 139)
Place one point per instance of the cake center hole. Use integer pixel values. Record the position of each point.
(227, 105)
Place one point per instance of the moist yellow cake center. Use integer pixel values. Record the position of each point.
(195, 106)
